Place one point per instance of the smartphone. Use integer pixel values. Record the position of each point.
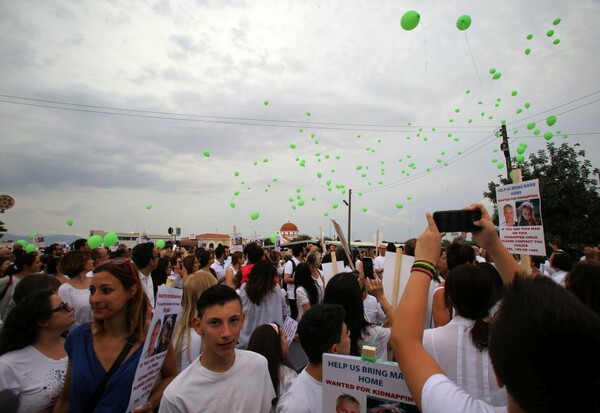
(460, 220)
(367, 264)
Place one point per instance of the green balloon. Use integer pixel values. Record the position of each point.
(410, 20)
(94, 241)
(293, 206)
(520, 150)
(254, 215)
(497, 76)
(358, 167)
(308, 114)
(325, 214)
(500, 166)
(399, 205)
(365, 209)
(536, 132)
(301, 202)
(463, 22)
(293, 145)
(236, 173)
(334, 206)
(513, 93)
(160, 244)
(328, 182)
(266, 103)
(22, 242)
(529, 36)
(550, 33)
(556, 41)
(531, 125)
(408, 198)
(232, 204)
(273, 237)
(319, 175)
(556, 22)
(33, 235)
(527, 51)
(30, 248)
(236, 193)
(492, 71)
(519, 158)
(206, 153)
(70, 222)
(149, 207)
(266, 160)
(110, 239)
(527, 105)
(550, 120)
(548, 135)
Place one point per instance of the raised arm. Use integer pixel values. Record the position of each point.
(488, 238)
(407, 332)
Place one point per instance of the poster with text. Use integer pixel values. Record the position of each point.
(158, 340)
(353, 385)
(236, 242)
(520, 217)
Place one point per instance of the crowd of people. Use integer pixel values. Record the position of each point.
(472, 332)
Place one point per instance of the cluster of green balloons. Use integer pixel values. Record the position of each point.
(411, 19)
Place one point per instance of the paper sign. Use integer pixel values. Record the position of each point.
(328, 270)
(235, 242)
(158, 340)
(389, 276)
(520, 213)
(290, 326)
(365, 386)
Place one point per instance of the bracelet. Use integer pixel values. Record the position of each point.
(422, 270)
(425, 264)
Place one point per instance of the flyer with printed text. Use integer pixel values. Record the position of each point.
(351, 384)
(158, 340)
(520, 218)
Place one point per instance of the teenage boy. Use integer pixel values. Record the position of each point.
(321, 330)
(222, 379)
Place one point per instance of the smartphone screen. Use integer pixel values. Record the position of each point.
(367, 264)
(460, 220)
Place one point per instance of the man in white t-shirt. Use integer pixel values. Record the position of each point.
(222, 379)
(220, 266)
(379, 261)
(288, 277)
(321, 330)
(145, 257)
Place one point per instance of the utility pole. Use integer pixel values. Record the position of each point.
(349, 205)
(506, 149)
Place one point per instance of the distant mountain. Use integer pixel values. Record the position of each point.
(48, 239)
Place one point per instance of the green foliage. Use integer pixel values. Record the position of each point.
(568, 188)
(302, 237)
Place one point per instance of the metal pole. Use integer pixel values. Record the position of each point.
(506, 149)
(349, 220)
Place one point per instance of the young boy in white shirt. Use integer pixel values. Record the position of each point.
(321, 330)
(222, 379)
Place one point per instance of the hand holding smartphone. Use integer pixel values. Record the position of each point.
(460, 220)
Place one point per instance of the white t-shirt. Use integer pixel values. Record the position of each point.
(379, 263)
(286, 378)
(271, 310)
(440, 394)
(79, 299)
(559, 277)
(302, 296)
(289, 269)
(148, 286)
(463, 363)
(304, 396)
(185, 357)
(381, 335)
(37, 378)
(245, 387)
(220, 270)
(373, 311)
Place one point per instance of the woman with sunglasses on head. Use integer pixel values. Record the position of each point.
(33, 361)
(117, 332)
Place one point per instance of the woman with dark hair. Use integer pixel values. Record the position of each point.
(33, 361)
(120, 323)
(344, 289)
(191, 263)
(270, 341)
(206, 259)
(309, 284)
(33, 283)
(53, 269)
(237, 259)
(584, 282)
(25, 265)
(4, 264)
(262, 300)
(461, 346)
(76, 291)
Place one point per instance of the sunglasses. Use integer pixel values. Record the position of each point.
(62, 307)
(127, 263)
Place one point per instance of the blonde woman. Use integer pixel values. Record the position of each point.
(188, 343)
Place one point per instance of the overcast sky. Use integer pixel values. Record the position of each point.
(110, 107)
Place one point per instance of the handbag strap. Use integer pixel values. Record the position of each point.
(100, 389)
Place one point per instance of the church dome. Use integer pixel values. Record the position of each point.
(289, 227)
